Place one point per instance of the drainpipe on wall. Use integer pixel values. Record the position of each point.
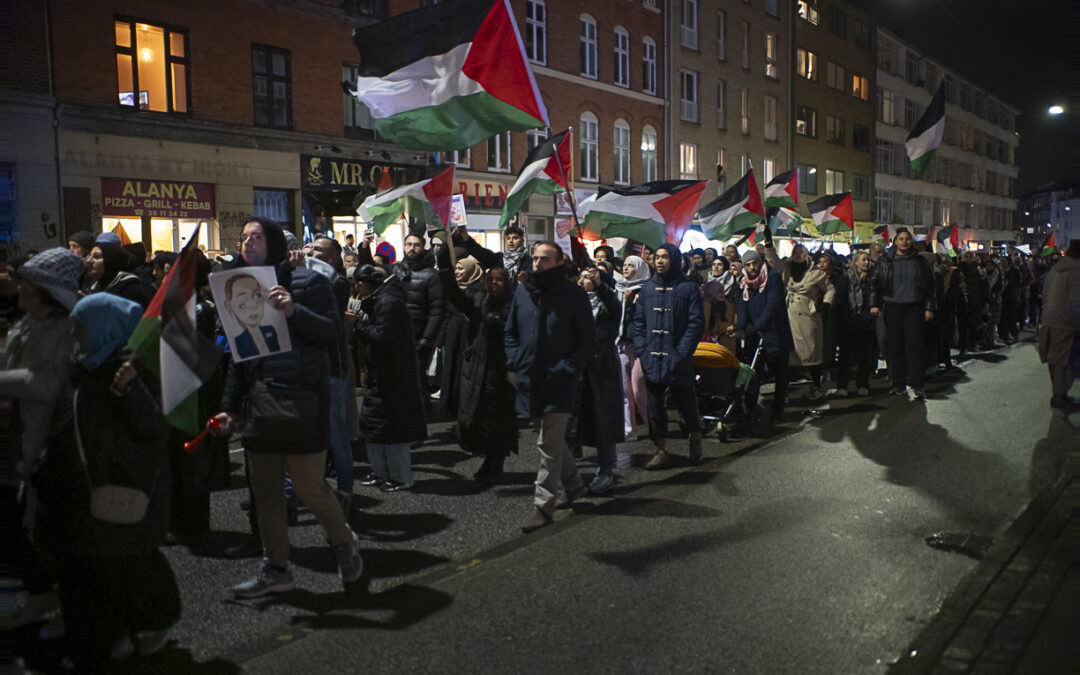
(668, 66)
(62, 221)
(790, 87)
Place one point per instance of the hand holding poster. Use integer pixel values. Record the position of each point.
(252, 324)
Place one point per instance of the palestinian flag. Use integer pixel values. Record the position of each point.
(885, 232)
(783, 190)
(652, 213)
(925, 137)
(1048, 248)
(165, 342)
(544, 173)
(752, 239)
(426, 202)
(737, 211)
(447, 77)
(832, 212)
(949, 237)
(789, 219)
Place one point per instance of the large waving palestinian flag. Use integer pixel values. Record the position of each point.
(544, 173)
(167, 343)
(427, 202)
(925, 137)
(783, 190)
(447, 77)
(652, 213)
(737, 211)
(832, 213)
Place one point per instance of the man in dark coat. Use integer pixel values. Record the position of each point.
(423, 298)
(762, 316)
(668, 324)
(550, 335)
(288, 379)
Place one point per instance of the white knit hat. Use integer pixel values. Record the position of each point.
(57, 270)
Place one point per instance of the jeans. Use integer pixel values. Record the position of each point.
(391, 460)
(557, 465)
(340, 445)
(904, 326)
(685, 399)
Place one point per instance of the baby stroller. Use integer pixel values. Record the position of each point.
(728, 392)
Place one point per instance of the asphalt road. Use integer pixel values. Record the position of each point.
(801, 554)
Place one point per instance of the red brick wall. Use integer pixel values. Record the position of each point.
(24, 60)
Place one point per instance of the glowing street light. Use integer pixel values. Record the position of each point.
(1056, 110)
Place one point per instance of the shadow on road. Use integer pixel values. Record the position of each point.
(1050, 457)
(407, 604)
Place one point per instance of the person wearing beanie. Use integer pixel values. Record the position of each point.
(109, 238)
(668, 323)
(80, 243)
(303, 374)
(117, 591)
(36, 374)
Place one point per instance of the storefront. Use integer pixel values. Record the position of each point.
(162, 214)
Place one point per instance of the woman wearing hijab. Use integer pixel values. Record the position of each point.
(117, 591)
(106, 271)
(635, 273)
(668, 324)
(468, 278)
(808, 290)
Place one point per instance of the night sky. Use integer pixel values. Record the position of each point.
(1015, 49)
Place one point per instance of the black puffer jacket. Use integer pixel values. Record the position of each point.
(423, 298)
(315, 328)
(393, 408)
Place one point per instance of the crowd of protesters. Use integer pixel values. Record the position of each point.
(587, 348)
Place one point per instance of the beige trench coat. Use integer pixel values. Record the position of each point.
(1061, 312)
(804, 300)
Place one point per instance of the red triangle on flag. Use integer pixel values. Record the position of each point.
(678, 210)
(844, 211)
(385, 182)
(439, 191)
(753, 199)
(496, 60)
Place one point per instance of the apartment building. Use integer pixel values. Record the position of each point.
(730, 83)
(833, 109)
(972, 178)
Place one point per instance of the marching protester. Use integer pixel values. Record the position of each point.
(550, 335)
(423, 298)
(857, 333)
(762, 316)
(635, 273)
(668, 324)
(1061, 323)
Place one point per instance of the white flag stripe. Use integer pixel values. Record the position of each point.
(431, 81)
(925, 142)
(531, 172)
(181, 382)
(413, 190)
(634, 206)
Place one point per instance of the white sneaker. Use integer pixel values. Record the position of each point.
(840, 393)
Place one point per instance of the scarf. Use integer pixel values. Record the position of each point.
(755, 284)
(635, 281)
(512, 260)
(472, 271)
(594, 304)
(109, 321)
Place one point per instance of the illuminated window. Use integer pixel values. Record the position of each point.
(688, 161)
(768, 168)
(834, 181)
(744, 110)
(806, 64)
(152, 66)
(622, 152)
(589, 148)
(886, 106)
(808, 11)
(771, 69)
(648, 154)
(860, 87)
(807, 179)
(806, 121)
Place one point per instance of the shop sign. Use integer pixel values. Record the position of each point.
(335, 173)
(483, 194)
(156, 198)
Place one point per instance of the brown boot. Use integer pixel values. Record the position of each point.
(660, 459)
(694, 454)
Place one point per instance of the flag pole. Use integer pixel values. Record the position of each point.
(569, 183)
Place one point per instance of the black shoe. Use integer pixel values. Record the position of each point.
(394, 486)
(249, 548)
(369, 479)
(293, 514)
(1061, 403)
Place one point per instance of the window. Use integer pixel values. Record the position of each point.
(744, 164)
(271, 83)
(689, 24)
(746, 45)
(860, 187)
(834, 76)
(886, 55)
(648, 154)
(860, 87)
(721, 167)
(771, 8)
(534, 137)
(834, 130)
(687, 161)
(807, 179)
(498, 149)
(744, 110)
(834, 181)
(911, 67)
(860, 137)
(457, 157)
(862, 35)
(770, 118)
(721, 28)
(808, 12)
(806, 121)
(152, 67)
(882, 205)
(771, 69)
(358, 120)
(837, 20)
(589, 149)
(588, 46)
(886, 106)
(648, 62)
(768, 167)
(536, 31)
(272, 204)
(884, 158)
(721, 113)
(806, 64)
(911, 113)
(689, 94)
(622, 57)
(622, 152)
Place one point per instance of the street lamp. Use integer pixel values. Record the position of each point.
(1056, 110)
